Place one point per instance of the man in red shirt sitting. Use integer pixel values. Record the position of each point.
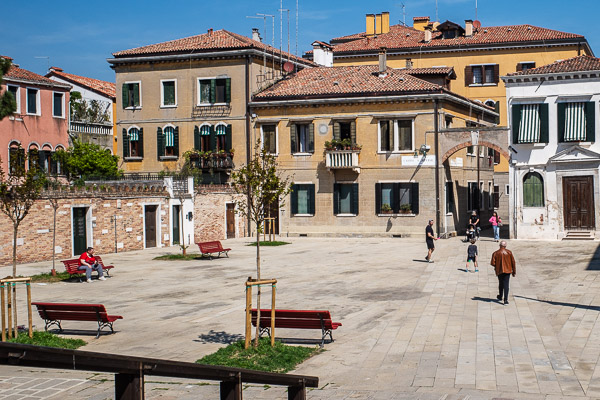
(87, 263)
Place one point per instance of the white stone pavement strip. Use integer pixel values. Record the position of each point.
(15, 387)
(411, 330)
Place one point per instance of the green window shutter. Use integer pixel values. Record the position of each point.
(293, 139)
(395, 200)
(377, 198)
(516, 121)
(213, 139)
(228, 138)
(294, 195)
(414, 197)
(560, 117)
(336, 198)
(141, 142)
(136, 94)
(590, 121)
(311, 199)
(197, 142)
(176, 140)
(353, 131)
(213, 90)
(125, 143)
(336, 131)
(311, 138)
(354, 198)
(544, 128)
(497, 110)
(125, 95)
(160, 143)
(228, 90)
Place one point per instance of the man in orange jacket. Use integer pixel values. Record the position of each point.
(503, 262)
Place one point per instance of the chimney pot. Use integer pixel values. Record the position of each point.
(382, 60)
(370, 19)
(428, 33)
(256, 35)
(468, 27)
(209, 31)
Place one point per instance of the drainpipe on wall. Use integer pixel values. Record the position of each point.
(437, 164)
(248, 147)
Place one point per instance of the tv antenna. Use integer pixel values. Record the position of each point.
(272, 36)
(475, 9)
(288, 31)
(264, 18)
(403, 14)
(436, 11)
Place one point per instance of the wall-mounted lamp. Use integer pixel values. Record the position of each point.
(422, 150)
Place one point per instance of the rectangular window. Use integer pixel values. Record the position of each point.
(214, 90)
(486, 74)
(490, 195)
(345, 198)
(169, 93)
(449, 197)
(302, 138)
(477, 75)
(524, 66)
(269, 137)
(397, 197)
(395, 135)
(303, 199)
(470, 151)
(506, 189)
(16, 159)
(16, 94)
(32, 101)
(575, 122)
(497, 195)
(489, 74)
(386, 134)
(404, 135)
(530, 123)
(481, 196)
(58, 105)
(131, 95)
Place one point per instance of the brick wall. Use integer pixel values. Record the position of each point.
(210, 207)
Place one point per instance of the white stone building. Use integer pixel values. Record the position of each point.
(555, 158)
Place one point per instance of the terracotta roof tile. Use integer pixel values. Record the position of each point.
(575, 64)
(106, 88)
(430, 71)
(21, 74)
(217, 40)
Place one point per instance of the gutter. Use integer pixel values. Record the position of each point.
(531, 77)
(28, 82)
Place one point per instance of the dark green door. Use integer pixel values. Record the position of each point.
(176, 223)
(79, 230)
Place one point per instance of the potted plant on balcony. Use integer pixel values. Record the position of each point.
(386, 209)
(231, 152)
(405, 209)
(347, 143)
(329, 146)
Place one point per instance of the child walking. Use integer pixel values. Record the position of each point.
(472, 256)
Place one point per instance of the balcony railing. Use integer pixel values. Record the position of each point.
(92, 129)
(213, 161)
(342, 159)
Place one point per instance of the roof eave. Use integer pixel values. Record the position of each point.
(550, 76)
(30, 82)
(74, 82)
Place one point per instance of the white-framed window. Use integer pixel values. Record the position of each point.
(205, 132)
(214, 90)
(525, 65)
(58, 105)
(33, 102)
(168, 93)
(268, 134)
(16, 92)
(484, 74)
(132, 95)
(396, 135)
(471, 151)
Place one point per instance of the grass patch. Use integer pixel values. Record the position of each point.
(280, 358)
(267, 243)
(48, 278)
(47, 339)
(188, 256)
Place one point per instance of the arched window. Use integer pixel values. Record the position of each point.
(169, 133)
(221, 132)
(205, 131)
(33, 156)
(533, 190)
(134, 136)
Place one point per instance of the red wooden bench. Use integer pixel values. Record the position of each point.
(53, 313)
(214, 247)
(72, 267)
(297, 319)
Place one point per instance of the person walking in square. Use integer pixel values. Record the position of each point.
(472, 256)
(429, 238)
(504, 263)
(496, 224)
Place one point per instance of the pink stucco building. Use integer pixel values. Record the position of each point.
(41, 121)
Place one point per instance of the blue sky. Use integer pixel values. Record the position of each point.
(78, 36)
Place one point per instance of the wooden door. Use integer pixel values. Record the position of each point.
(150, 225)
(272, 211)
(176, 223)
(230, 221)
(79, 230)
(578, 195)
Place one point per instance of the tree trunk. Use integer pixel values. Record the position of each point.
(182, 230)
(54, 206)
(15, 231)
(257, 277)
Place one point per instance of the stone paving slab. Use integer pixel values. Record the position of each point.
(411, 330)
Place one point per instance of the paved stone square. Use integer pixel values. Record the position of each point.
(411, 329)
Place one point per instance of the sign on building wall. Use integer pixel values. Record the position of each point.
(456, 162)
(411, 161)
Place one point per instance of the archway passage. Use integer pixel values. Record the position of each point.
(455, 139)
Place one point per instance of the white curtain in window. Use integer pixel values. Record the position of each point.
(575, 121)
(220, 130)
(169, 137)
(529, 128)
(133, 134)
(205, 130)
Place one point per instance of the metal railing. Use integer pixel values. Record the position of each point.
(341, 159)
(130, 371)
(91, 128)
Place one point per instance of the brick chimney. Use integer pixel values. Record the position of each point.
(56, 69)
(428, 33)
(256, 35)
(468, 27)
(382, 60)
(210, 31)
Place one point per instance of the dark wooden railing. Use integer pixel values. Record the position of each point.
(130, 371)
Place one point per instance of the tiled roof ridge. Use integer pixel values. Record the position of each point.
(579, 63)
(127, 51)
(104, 87)
(18, 73)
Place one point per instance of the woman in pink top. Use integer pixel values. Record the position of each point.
(496, 222)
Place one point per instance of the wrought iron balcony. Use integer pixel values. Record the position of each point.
(342, 159)
(213, 161)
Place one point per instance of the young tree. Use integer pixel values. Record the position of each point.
(8, 103)
(88, 159)
(18, 192)
(262, 184)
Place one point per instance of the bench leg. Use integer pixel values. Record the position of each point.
(50, 322)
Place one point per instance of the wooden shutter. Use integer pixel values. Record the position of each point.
(213, 139)
(468, 75)
(136, 94)
(311, 199)
(125, 95)
(160, 143)
(311, 138)
(228, 139)
(497, 110)
(125, 143)
(354, 199)
(544, 128)
(590, 121)
(353, 131)
(395, 198)
(141, 142)
(560, 117)
(336, 198)
(414, 200)
(516, 121)
(336, 131)
(377, 198)
(197, 142)
(213, 90)
(294, 199)
(293, 139)
(496, 73)
(176, 140)
(228, 90)
(496, 157)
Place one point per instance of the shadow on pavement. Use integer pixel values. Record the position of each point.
(560, 303)
(486, 299)
(219, 337)
(594, 264)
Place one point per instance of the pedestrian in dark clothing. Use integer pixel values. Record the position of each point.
(472, 255)
(474, 220)
(429, 238)
(504, 263)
